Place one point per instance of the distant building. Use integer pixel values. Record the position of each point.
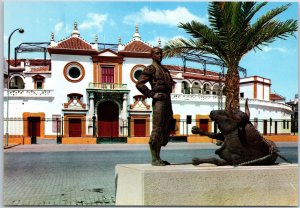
(81, 82)
(294, 116)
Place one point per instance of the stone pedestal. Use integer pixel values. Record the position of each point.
(207, 185)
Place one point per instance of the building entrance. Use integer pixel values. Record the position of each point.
(34, 126)
(108, 119)
(74, 127)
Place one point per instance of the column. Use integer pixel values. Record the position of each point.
(124, 123)
(91, 113)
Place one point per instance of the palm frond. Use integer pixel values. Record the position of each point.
(266, 29)
(203, 34)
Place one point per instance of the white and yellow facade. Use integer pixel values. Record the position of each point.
(81, 83)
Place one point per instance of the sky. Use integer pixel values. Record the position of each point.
(156, 20)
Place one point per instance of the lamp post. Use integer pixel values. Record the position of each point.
(8, 69)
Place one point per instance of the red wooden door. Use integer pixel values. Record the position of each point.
(74, 127)
(108, 120)
(140, 127)
(34, 126)
(107, 74)
(204, 124)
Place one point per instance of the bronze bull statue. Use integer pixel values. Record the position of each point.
(242, 143)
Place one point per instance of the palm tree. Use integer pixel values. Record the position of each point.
(230, 36)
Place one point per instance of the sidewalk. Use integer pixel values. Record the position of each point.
(117, 147)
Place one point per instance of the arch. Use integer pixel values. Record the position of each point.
(215, 89)
(185, 87)
(108, 119)
(16, 82)
(107, 100)
(206, 89)
(196, 88)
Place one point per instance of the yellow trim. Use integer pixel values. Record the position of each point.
(120, 73)
(66, 124)
(94, 72)
(79, 140)
(177, 117)
(146, 117)
(26, 115)
(138, 140)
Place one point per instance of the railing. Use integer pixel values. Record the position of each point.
(195, 97)
(107, 86)
(214, 98)
(56, 127)
(28, 93)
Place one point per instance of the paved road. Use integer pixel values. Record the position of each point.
(84, 174)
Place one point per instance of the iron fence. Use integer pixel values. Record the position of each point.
(59, 127)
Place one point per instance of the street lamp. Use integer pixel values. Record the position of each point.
(21, 30)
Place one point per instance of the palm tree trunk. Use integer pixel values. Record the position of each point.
(232, 86)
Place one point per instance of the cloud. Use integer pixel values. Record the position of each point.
(163, 40)
(166, 17)
(58, 27)
(94, 21)
(279, 49)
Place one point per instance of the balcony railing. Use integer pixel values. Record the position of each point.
(28, 93)
(214, 99)
(107, 86)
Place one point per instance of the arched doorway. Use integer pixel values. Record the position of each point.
(108, 119)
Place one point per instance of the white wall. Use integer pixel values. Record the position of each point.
(247, 89)
(63, 87)
(128, 64)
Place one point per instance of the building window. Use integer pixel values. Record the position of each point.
(56, 123)
(185, 89)
(136, 72)
(206, 89)
(283, 124)
(16, 83)
(107, 74)
(241, 94)
(74, 72)
(39, 84)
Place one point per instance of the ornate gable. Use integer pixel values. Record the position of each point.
(139, 104)
(136, 47)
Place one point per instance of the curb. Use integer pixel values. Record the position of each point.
(10, 146)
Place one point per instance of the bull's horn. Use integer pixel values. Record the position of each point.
(247, 111)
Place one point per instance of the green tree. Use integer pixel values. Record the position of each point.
(230, 36)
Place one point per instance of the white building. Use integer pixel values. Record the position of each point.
(79, 82)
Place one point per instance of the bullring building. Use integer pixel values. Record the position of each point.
(85, 93)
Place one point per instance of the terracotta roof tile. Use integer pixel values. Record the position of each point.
(137, 46)
(33, 62)
(274, 96)
(74, 43)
